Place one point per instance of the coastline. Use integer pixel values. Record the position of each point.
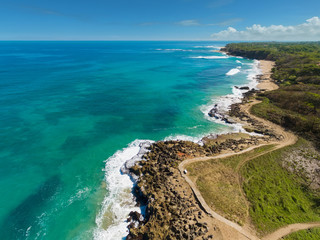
(166, 193)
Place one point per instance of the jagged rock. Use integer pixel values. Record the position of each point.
(244, 88)
(173, 214)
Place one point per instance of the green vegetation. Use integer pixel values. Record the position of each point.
(272, 196)
(296, 104)
(221, 191)
(277, 197)
(309, 234)
(307, 125)
(218, 182)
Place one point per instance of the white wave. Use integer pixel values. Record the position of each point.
(174, 49)
(223, 103)
(210, 46)
(233, 71)
(252, 74)
(119, 201)
(211, 57)
(185, 138)
(237, 61)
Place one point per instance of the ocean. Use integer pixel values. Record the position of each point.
(73, 112)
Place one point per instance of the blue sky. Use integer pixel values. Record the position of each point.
(156, 19)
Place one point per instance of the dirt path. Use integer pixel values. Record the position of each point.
(290, 229)
(201, 200)
(287, 139)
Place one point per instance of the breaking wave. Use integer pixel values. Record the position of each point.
(211, 57)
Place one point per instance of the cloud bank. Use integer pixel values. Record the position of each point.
(307, 31)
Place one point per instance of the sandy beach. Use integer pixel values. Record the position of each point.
(266, 82)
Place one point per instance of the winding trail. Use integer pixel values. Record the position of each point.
(288, 138)
(290, 229)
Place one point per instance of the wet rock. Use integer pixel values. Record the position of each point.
(244, 88)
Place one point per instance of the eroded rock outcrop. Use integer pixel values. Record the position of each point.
(172, 211)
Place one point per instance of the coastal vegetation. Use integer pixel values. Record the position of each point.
(218, 182)
(296, 104)
(255, 185)
(278, 196)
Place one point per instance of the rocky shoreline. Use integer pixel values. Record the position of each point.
(172, 210)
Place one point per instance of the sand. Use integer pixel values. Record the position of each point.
(266, 82)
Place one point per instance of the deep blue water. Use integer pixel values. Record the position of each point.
(66, 107)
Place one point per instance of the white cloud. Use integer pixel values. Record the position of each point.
(189, 23)
(307, 31)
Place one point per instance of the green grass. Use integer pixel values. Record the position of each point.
(221, 191)
(277, 197)
(217, 180)
(309, 234)
(236, 159)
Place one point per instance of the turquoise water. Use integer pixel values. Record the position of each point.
(66, 107)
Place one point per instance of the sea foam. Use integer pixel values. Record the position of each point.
(210, 46)
(233, 71)
(174, 49)
(223, 103)
(211, 57)
(119, 201)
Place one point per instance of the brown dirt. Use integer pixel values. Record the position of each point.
(290, 229)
